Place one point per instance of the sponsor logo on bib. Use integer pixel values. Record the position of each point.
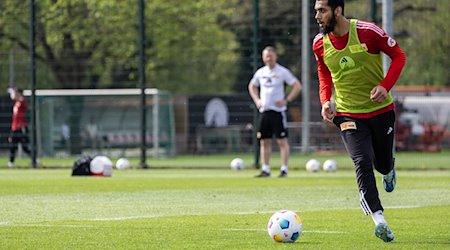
(348, 125)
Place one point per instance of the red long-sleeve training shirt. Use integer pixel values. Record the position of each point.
(19, 118)
(376, 41)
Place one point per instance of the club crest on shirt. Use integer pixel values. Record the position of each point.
(391, 42)
(348, 125)
(358, 48)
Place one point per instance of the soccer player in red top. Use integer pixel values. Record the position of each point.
(349, 62)
(19, 130)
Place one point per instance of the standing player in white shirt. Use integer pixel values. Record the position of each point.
(267, 91)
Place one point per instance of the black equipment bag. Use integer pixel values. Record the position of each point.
(82, 166)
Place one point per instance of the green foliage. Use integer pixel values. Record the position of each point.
(279, 25)
(189, 52)
(421, 28)
(93, 43)
(193, 46)
(426, 43)
(10, 32)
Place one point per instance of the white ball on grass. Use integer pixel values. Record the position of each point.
(329, 165)
(123, 164)
(312, 165)
(237, 164)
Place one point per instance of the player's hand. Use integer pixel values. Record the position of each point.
(258, 104)
(378, 94)
(328, 113)
(281, 103)
(10, 139)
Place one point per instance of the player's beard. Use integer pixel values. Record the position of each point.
(329, 27)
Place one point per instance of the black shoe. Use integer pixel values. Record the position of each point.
(282, 174)
(263, 174)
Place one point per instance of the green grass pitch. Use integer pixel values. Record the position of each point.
(177, 206)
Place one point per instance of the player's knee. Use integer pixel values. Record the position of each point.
(384, 167)
(384, 170)
(363, 161)
(282, 144)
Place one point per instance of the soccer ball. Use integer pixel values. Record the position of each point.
(101, 166)
(122, 164)
(237, 164)
(285, 226)
(329, 165)
(313, 165)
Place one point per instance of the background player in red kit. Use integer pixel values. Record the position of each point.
(19, 129)
(348, 54)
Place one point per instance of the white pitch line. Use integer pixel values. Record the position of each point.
(325, 232)
(253, 212)
(44, 225)
(403, 207)
(128, 218)
(135, 217)
(244, 229)
(48, 225)
(306, 231)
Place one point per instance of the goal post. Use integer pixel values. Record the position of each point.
(103, 121)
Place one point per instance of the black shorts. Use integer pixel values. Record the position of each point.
(19, 136)
(370, 142)
(272, 123)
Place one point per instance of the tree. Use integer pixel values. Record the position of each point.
(93, 44)
(421, 28)
(425, 41)
(189, 51)
(70, 36)
(279, 26)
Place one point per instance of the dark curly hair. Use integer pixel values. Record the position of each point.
(336, 3)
